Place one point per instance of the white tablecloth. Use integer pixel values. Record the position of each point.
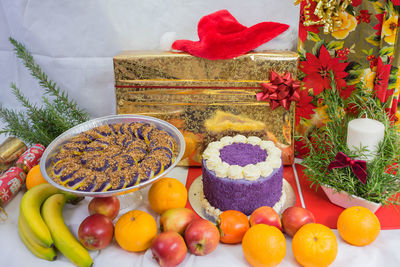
(384, 251)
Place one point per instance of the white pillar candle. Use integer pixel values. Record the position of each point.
(367, 133)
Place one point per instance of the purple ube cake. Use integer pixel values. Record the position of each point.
(242, 174)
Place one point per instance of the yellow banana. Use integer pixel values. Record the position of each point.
(64, 240)
(30, 213)
(39, 251)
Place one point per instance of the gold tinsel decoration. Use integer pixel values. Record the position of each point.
(328, 12)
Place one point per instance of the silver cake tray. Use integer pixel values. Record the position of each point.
(195, 194)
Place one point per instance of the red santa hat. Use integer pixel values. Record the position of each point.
(221, 36)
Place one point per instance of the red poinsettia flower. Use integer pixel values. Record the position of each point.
(304, 107)
(382, 80)
(356, 3)
(351, 109)
(317, 70)
(347, 91)
(396, 2)
(393, 110)
(304, 29)
(301, 149)
(378, 27)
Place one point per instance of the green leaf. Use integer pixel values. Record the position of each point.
(313, 37)
(371, 51)
(365, 52)
(389, 8)
(391, 84)
(302, 54)
(379, 8)
(386, 51)
(353, 77)
(373, 39)
(317, 46)
(300, 75)
(350, 10)
(336, 45)
(353, 65)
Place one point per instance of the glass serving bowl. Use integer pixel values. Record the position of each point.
(46, 162)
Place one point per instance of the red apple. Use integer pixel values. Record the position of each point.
(294, 218)
(169, 249)
(202, 237)
(176, 220)
(266, 215)
(96, 232)
(108, 206)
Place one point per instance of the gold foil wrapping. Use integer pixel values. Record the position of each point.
(206, 99)
(10, 150)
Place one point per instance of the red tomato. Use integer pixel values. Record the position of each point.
(232, 225)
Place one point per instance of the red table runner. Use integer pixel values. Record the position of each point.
(316, 201)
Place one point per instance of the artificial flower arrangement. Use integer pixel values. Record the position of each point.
(331, 163)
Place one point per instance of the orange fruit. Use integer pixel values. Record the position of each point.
(135, 230)
(358, 226)
(167, 193)
(191, 141)
(34, 177)
(314, 244)
(264, 246)
(232, 225)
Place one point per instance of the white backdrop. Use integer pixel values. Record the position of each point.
(74, 41)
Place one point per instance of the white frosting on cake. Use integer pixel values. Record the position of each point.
(249, 172)
(216, 144)
(267, 145)
(210, 210)
(210, 152)
(226, 140)
(214, 162)
(254, 140)
(222, 170)
(265, 168)
(239, 139)
(235, 172)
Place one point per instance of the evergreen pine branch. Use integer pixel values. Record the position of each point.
(40, 124)
(324, 143)
(62, 99)
(58, 119)
(33, 112)
(17, 126)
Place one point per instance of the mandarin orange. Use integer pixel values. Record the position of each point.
(314, 245)
(135, 230)
(264, 246)
(34, 177)
(358, 226)
(167, 193)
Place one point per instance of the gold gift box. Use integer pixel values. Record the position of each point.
(206, 99)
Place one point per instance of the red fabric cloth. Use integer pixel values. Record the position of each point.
(223, 37)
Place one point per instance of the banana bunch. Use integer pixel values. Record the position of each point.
(42, 229)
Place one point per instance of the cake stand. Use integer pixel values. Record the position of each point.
(195, 196)
(129, 197)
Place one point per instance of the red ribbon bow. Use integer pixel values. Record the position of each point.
(280, 91)
(359, 167)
